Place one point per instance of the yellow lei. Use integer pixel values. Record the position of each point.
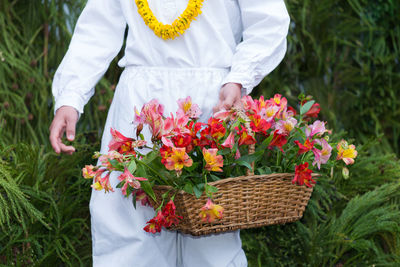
(179, 26)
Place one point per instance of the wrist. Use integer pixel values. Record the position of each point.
(233, 86)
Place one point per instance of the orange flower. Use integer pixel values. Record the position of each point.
(217, 129)
(214, 162)
(209, 212)
(245, 137)
(346, 152)
(88, 172)
(178, 159)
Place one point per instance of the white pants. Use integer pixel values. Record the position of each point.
(117, 227)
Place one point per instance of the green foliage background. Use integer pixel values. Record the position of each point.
(344, 53)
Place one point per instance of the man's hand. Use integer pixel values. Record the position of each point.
(64, 120)
(229, 96)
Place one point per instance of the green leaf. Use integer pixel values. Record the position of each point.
(146, 186)
(132, 166)
(165, 195)
(251, 158)
(193, 167)
(224, 151)
(114, 162)
(134, 199)
(188, 188)
(149, 157)
(244, 163)
(120, 184)
(211, 189)
(141, 171)
(264, 145)
(214, 177)
(306, 107)
(129, 190)
(198, 190)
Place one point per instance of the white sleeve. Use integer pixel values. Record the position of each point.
(265, 27)
(97, 39)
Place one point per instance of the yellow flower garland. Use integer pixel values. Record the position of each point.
(179, 26)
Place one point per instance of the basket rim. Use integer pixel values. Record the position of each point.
(242, 178)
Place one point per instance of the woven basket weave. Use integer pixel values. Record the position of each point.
(248, 201)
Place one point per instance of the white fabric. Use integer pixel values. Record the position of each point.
(117, 228)
(210, 54)
(213, 40)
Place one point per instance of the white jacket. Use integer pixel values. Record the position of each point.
(247, 36)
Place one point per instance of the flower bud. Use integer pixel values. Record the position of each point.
(345, 173)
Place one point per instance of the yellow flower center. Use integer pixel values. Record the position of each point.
(187, 106)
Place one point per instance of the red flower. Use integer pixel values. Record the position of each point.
(170, 215)
(313, 111)
(120, 143)
(306, 147)
(258, 124)
(292, 110)
(303, 175)
(217, 129)
(155, 224)
(278, 140)
(143, 198)
(182, 140)
(245, 137)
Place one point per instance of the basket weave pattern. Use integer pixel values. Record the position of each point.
(248, 201)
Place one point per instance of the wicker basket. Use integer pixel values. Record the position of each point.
(248, 201)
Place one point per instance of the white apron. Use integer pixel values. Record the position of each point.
(117, 227)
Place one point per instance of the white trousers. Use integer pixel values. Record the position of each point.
(117, 227)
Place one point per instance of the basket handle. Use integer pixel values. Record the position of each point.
(252, 147)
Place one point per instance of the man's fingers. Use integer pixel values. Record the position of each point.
(227, 104)
(67, 149)
(70, 129)
(55, 136)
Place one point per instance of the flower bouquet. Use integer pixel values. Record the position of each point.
(244, 168)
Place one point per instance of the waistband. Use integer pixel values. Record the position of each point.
(181, 70)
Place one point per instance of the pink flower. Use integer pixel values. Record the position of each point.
(269, 113)
(249, 103)
(175, 125)
(322, 156)
(278, 101)
(317, 128)
(167, 142)
(130, 180)
(151, 114)
(230, 140)
(189, 108)
(224, 115)
(210, 212)
(284, 127)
